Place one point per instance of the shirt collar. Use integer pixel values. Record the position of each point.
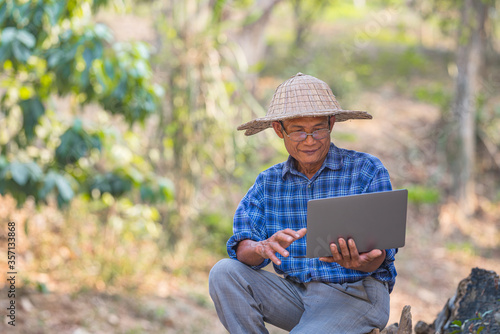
(333, 161)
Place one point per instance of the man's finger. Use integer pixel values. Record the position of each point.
(289, 232)
(372, 255)
(336, 256)
(301, 233)
(271, 256)
(353, 250)
(276, 247)
(284, 237)
(344, 250)
(294, 234)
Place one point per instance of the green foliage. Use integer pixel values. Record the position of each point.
(344, 136)
(53, 49)
(441, 13)
(111, 183)
(16, 45)
(474, 325)
(75, 144)
(390, 64)
(373, 50)
(467, 248)
(343, 10)
(434, 93)
(32, 109)
(60, 183)
(214, 231)
(125, 83)
(161, 190)
(42, 288)
(423, 195)
(20, 179)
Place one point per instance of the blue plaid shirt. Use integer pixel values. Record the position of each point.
(278, 200)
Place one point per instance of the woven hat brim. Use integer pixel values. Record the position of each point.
(259, 124)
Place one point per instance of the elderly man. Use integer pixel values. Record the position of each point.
(347, 292)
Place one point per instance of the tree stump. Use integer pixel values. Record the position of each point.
(473, 308)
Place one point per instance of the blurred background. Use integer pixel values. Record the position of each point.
(121, 166)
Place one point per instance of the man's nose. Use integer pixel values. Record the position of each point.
(309, 139)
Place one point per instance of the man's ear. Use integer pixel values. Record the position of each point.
(277, 128)
(332, 122)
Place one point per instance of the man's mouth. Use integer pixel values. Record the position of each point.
(309, 152)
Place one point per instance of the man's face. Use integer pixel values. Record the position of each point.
(311, 152)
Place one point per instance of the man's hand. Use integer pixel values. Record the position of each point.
(348, 257)
(277, 244)
(254, 252)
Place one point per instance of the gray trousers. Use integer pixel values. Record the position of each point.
(246, 298)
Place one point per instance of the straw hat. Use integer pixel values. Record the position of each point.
(301, 96)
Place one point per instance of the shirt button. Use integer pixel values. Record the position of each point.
(308, 186)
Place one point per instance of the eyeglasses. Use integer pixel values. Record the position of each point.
(299, 136)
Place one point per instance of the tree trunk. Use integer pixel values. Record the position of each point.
(251, 36)
(470, 56)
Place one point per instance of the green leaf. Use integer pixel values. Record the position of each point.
(64, 188)
(20, 173)
(147, 194)
(3, 162)
(35, 171)
(103, 32)
(37, 18)
(111, 183)
(142, 50)
(75, 143)
(89, 57)
(5, 52)
(32, 110)
(53, 57)
(3, 12)
(48, 184)
(77, 125)
(26, 229)
(134, 174)
(486, 313)
(420, 194)
(8, 35)
(20, 52)
(167, 188)
(42, 287)
(26, 38)
(54, 11)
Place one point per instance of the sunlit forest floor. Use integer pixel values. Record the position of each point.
(441, 249)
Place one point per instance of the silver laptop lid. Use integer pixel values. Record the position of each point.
(373, 220)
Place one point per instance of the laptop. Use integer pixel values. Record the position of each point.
(373, 220)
